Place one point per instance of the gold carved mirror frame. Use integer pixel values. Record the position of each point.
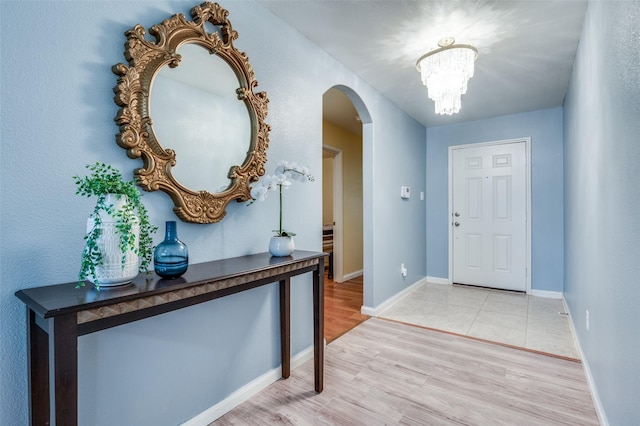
(136, 135)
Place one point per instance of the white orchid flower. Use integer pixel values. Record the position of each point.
(285, 173)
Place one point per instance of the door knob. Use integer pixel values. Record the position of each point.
(456, 214)
(457, 224)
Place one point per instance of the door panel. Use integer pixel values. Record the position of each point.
(489, 222)
(502, 253)
(474, 252)
(474, 199)
(502, 198)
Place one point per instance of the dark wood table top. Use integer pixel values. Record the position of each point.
(52, 300)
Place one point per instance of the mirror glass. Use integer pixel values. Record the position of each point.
(196, 112)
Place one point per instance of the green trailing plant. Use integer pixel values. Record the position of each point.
(103, 180)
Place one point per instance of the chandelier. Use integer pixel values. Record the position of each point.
(445, 72)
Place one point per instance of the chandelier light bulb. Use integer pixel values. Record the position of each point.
(445, 72)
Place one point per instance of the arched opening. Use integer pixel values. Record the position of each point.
(346, 134)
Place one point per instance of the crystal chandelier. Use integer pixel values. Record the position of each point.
(445, 72)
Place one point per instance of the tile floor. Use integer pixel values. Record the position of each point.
(517, 319)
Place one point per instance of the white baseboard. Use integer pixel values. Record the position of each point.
(374, 312)
(546, 293)
(595, 397)
(353, 275)
(438, 280)
(246, 392)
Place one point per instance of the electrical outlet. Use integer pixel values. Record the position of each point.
(587, 320)
(403, 270)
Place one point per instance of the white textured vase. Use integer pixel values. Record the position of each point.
(113, 272)
(281, 246)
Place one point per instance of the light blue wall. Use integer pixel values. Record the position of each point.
(545, 129)
(602, 187)
(57, 115)
(398, 227)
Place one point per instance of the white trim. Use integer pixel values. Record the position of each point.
(338, 218)
(438, 280)
(546, 293)
(374, 312)
(527, 144)
(246, 392)
(338, 210)
(595, 397)
(353, 275)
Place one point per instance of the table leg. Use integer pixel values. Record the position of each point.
(38, 353)
(318, 327)
(63, 358)
(285, 326)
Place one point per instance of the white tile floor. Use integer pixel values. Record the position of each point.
(518, 319)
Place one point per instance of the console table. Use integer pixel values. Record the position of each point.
(58, 314)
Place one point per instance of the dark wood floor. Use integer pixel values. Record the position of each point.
(342, 302)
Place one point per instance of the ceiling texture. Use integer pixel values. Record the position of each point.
(526, 49)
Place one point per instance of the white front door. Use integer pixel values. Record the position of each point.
(489, 217)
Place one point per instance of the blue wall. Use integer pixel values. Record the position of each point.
(57, 115)
(398, 227)
(602, 187)
(545, 129)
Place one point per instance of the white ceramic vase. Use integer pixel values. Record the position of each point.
(113, 272)
(281, 246)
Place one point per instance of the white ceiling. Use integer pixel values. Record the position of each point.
(526, 49)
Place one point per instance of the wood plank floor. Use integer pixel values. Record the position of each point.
(387, 373)
(342, 303)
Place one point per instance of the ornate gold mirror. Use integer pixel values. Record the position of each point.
(189, 111)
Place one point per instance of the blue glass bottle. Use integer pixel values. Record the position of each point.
(171, 257)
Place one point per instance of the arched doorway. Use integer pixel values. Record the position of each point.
(345, 132)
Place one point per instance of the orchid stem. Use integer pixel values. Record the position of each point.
(280, 234)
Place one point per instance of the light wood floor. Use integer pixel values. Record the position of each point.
(388, 373)
(342, 302)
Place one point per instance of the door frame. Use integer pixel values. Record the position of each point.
(527, 142)
(338, 275)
